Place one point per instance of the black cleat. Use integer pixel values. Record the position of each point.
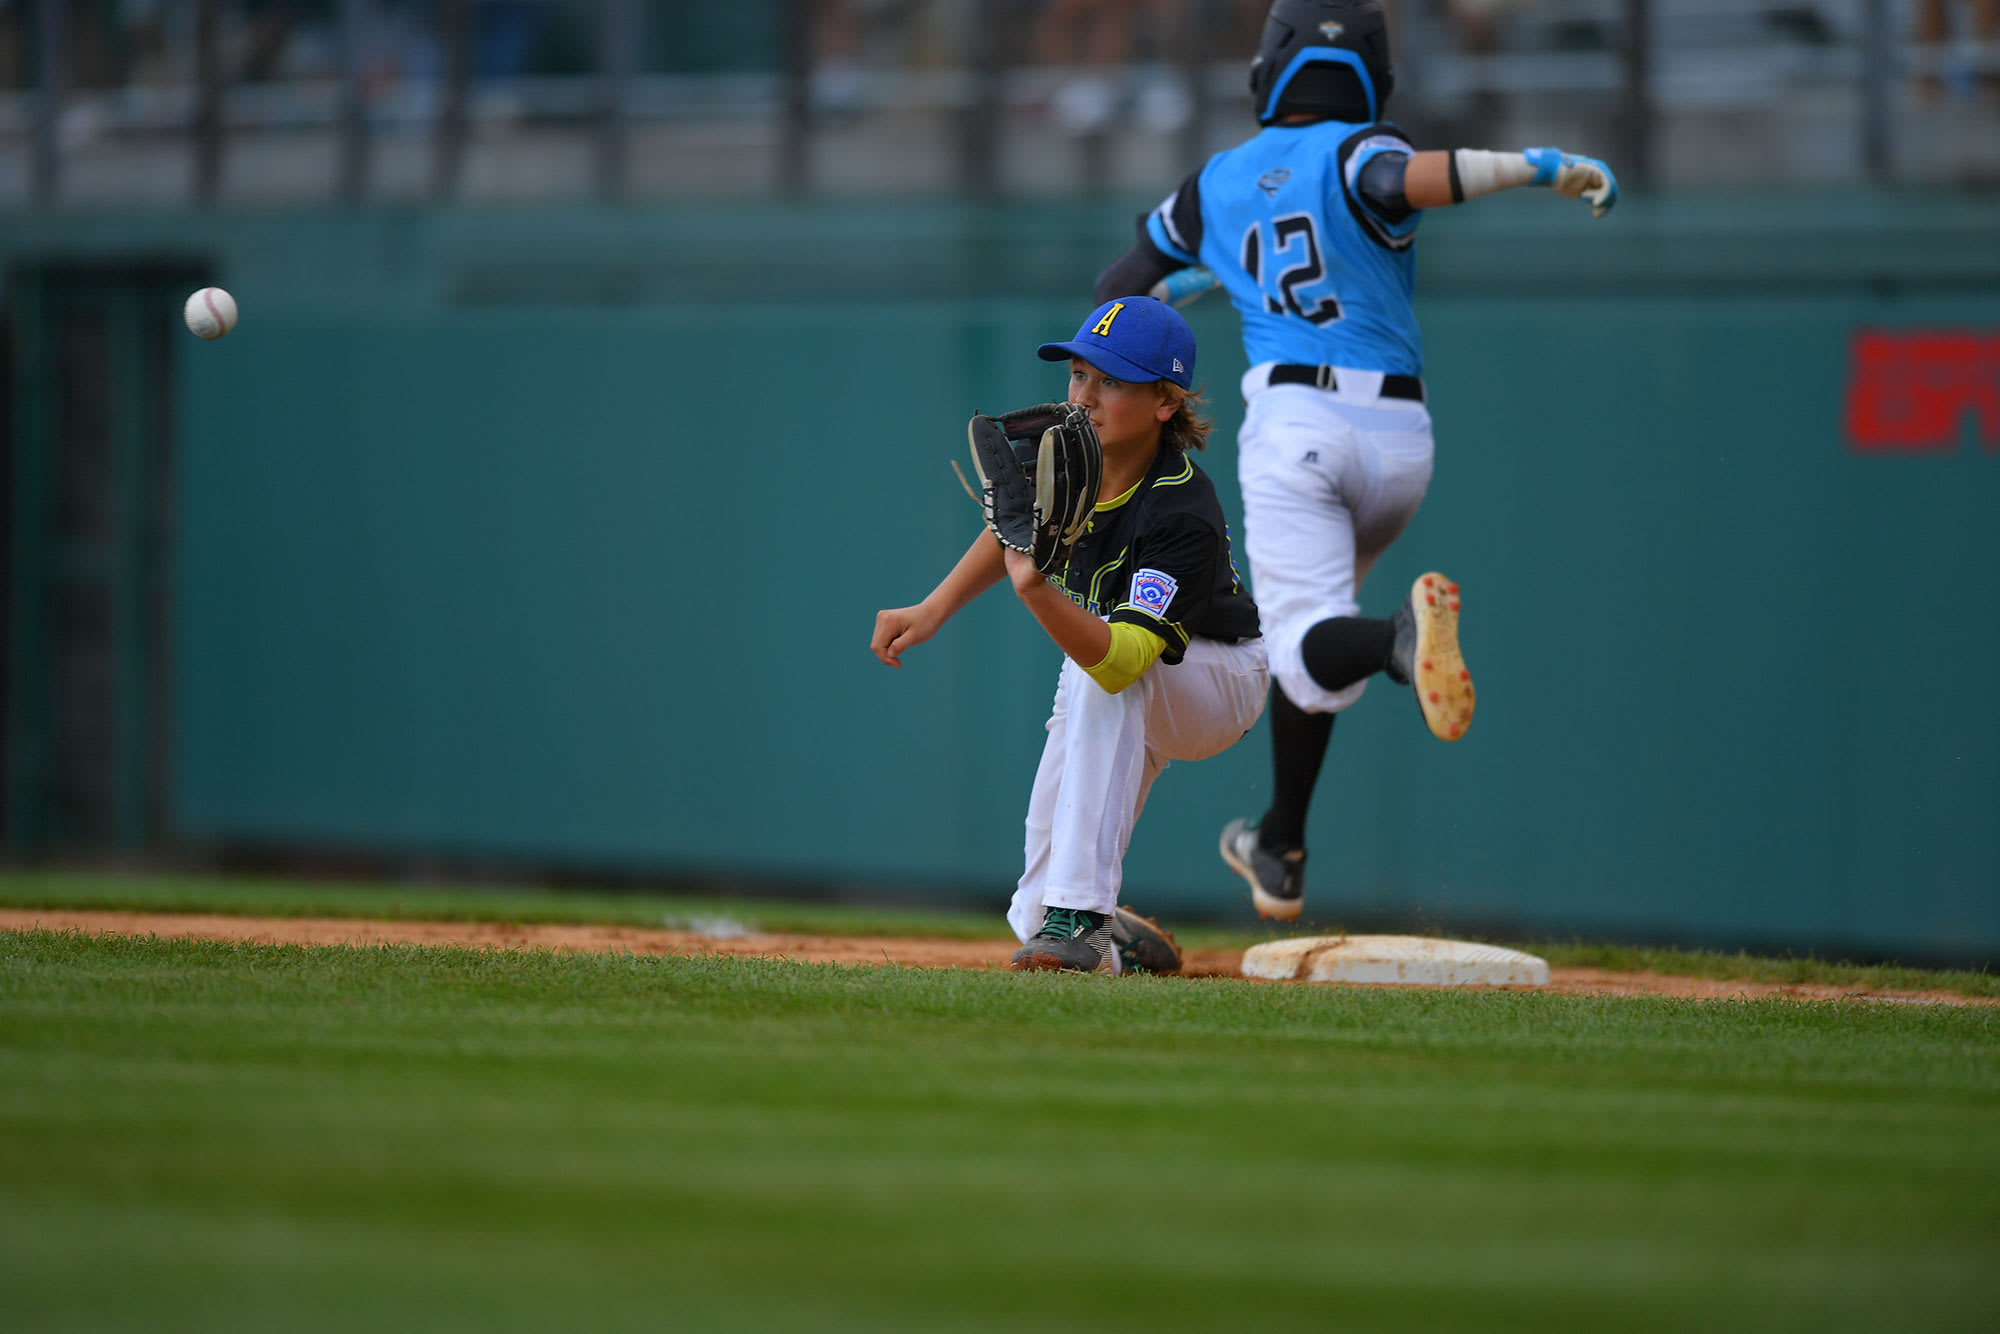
(1072, 940)
(1144, 946)
(1277, 880)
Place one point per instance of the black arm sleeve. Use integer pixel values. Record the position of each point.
(1381, 186)
(1134, 272)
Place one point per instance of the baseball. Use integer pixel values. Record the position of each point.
(210, 313)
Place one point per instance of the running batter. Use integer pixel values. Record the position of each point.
(1311, 229)
(1162, 659)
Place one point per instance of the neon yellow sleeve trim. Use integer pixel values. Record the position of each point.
(1133, 649)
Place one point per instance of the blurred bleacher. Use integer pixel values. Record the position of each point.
(162, 103)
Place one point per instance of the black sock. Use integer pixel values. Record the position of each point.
(1298, 744)
(1345, 649)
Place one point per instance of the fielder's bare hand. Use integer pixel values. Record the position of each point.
(1022, 572)
(902, 627)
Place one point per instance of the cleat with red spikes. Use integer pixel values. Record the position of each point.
(1427, 658)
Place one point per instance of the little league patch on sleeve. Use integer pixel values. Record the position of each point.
(1152, 592)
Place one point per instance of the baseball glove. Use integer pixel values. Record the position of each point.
(1039, 471)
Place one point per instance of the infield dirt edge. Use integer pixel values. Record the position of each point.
(875, 951)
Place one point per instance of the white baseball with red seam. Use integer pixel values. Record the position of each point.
(210, 313)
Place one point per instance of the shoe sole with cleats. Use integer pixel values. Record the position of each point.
(1438, 673)
(1041, 963)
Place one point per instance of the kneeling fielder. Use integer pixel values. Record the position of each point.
(1162, 659)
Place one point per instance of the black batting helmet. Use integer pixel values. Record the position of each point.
(1328, 59)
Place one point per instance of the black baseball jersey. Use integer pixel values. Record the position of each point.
(1158, 557)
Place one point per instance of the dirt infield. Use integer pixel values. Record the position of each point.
(896, 950)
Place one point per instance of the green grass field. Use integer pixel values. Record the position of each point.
(204, 1136)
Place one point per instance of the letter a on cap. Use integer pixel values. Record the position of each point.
(1103, 327)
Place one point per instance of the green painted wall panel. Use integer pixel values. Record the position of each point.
(1716, 620)
(523, 537)
(577, 585)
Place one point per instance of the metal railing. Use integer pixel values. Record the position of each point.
(1676, 92)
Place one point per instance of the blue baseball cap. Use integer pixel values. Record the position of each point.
(1134, 338)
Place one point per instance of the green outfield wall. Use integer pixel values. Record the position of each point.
(556, 538)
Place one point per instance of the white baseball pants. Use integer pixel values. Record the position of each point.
(1101, 758)
(1330, 478)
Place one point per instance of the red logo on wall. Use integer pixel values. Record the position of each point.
(1909, 391)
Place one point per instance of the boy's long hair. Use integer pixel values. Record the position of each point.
(1187, 428)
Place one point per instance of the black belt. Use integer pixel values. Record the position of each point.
(1321, 377)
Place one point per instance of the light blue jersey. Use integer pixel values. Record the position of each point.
(1318, 277)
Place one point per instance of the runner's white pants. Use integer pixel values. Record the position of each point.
(1101, 758)
(1330, 478)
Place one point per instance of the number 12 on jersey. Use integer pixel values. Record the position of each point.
(1294, 254)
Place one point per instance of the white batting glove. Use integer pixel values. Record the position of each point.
(1575, 177)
